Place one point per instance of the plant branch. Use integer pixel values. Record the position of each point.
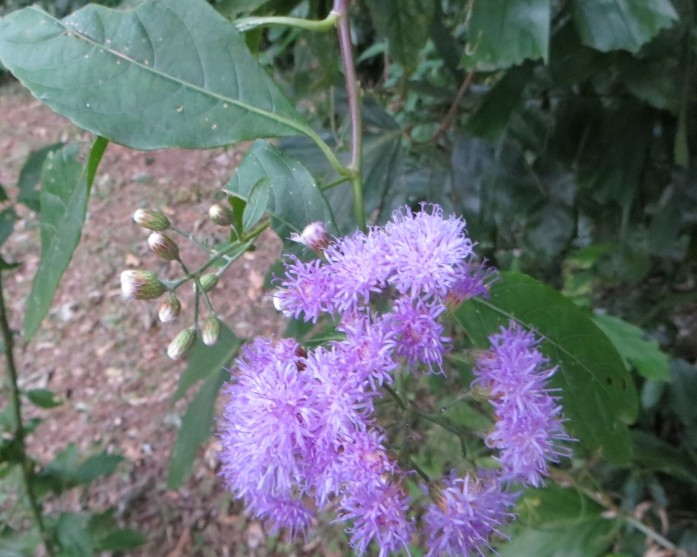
(452, 111)
(25, 464)
(352, 90)
(249, 23)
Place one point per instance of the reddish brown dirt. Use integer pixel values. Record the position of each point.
(105, 357)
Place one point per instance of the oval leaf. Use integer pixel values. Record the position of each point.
(598, 395)
(504, 33)
(621, 24)
(294, 200)
(43, 398)
(169, 73)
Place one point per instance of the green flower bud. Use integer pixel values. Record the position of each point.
(221, 215)
(151, 220)
(170, 309)
(208, 282)
(181, 343)
(141, 285)
(164, 246)
(210, 331)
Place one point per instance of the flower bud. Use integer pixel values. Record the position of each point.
(141, 285)
(163, 246)
(314, 236)
(221, 215)
(207, 282)
(170, 309)
(210, 331)
(152, 220)
(181, 343)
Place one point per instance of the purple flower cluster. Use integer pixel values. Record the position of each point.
(299, 432)
(528, 427)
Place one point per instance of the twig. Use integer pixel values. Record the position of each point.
(452, 111)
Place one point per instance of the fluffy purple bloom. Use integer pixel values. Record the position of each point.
(418, 333)
(260, 458)
(427, 252)
(377, 513)
(307, 289)
(357, 268)
(467, 512)
(279, 512)
(474, 283)
(529, 419)
(368, 350)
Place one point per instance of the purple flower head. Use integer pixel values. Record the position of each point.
(307, 289)
(418, 333)
(466, 513)
(427, 252)
(279, 512)
(367, 353)
(473, 283)
(268, 423)
(529, 418)
(357, 268)
(377, 514)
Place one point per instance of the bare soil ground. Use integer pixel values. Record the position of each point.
(106, 357)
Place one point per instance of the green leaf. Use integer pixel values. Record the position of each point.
(504, 33)
(121, 540)
(44, 398)
(66, 189)
(629, 342)
(8, 217)
(168, 73)
(655, 455)
(197, 426)
(256, 204)
(621, 24)
(6, 266)
(598, 395)
(294, 198)
(101, 464)
(204, 361)
(491, 118)
(73, 538)
(559, 522)
(405, 24)
(30, 175)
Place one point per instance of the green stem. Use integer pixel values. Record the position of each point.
(249, 23)
(25, 463)
(352, 90)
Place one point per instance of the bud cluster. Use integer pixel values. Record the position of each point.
(146, 285)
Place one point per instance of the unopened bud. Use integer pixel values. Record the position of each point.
(141, 285)
(208, 282)
(181, 343)
(152, 220)
(210, 331)
(170, 309)
(163, 246)
(314, 236)
(221, 215)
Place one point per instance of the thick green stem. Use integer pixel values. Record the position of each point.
(25, 463)
(352, 90)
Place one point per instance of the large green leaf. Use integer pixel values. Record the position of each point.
(294, 200)
(629, 341)
(405, 24)
(66, 189)
(503, 33)
(169, 73)
(559, 522)
(598, 395)
(30, 176)
(621, 24)
(8, 217)
(197, 426)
